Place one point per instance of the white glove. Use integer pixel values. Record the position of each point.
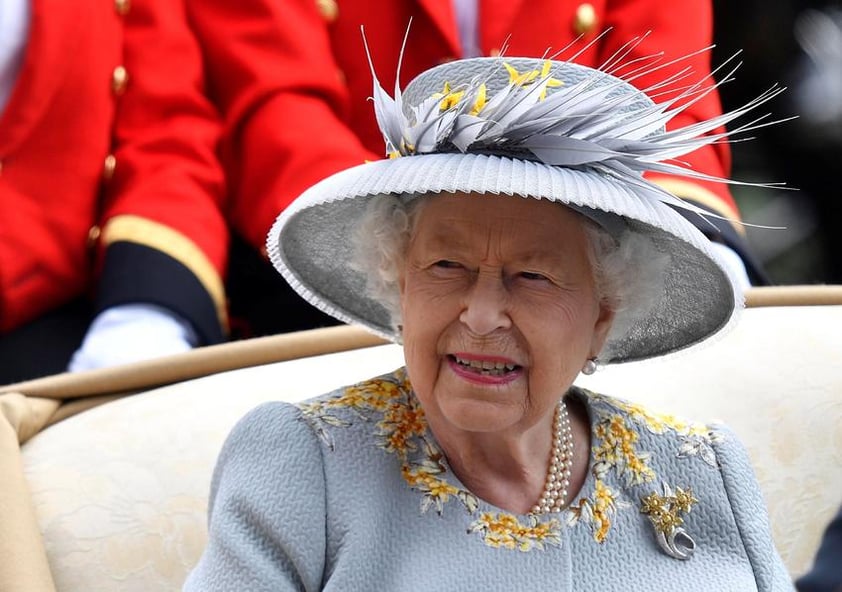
(132, 332)
(734, 263)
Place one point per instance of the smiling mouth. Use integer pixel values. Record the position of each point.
(485, 367)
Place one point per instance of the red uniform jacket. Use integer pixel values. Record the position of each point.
(109, 172)
(292, 79)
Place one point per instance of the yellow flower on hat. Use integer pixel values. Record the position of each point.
(527, 78)
(450, 98)
(480, 102)
(403, 149)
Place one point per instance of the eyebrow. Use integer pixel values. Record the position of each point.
(443, 236)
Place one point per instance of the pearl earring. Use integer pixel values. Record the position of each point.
(590, 366)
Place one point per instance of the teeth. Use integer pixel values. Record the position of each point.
(486, 366)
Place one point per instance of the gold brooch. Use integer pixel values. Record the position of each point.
(665, 512)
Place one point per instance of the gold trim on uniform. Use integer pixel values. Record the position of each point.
(122, 6)
(155, 235)
(328, 9)
(119, 80)
(692, 192)
(109, 166)
(585, 20)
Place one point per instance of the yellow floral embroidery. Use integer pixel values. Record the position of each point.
(504, 530)
(658, 423)
(597, 511)
(696, 439)
(616, 450)
(402, 431)
(401, 424)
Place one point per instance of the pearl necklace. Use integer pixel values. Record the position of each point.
(558, 474)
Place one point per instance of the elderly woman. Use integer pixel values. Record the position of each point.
(510, 244)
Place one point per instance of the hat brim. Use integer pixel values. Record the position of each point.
(310, 241)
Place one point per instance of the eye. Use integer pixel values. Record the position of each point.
(447, 269)
(533, 276)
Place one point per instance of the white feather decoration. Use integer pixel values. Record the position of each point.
(601, 121)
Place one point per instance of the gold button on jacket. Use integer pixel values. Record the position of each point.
(108, 166)
(328, 9)
(585, 19)
(122, 6)
(119, 80)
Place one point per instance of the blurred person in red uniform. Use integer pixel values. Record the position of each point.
(291, 78)
(112, 236)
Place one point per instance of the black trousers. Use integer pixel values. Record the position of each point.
(45, 345)
(260, 302)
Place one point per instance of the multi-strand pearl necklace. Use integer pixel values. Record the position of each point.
(561, 462)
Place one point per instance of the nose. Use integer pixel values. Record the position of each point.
(486, 306)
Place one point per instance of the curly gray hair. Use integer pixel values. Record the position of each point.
(628, 273)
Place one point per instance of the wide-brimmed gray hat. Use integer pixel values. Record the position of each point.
(525, 127)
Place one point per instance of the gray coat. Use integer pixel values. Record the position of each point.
(349, 492)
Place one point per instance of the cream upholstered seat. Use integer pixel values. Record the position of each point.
(120, 491)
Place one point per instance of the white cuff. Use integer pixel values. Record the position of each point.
(132, 332)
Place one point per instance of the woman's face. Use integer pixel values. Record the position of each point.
(499, 310)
